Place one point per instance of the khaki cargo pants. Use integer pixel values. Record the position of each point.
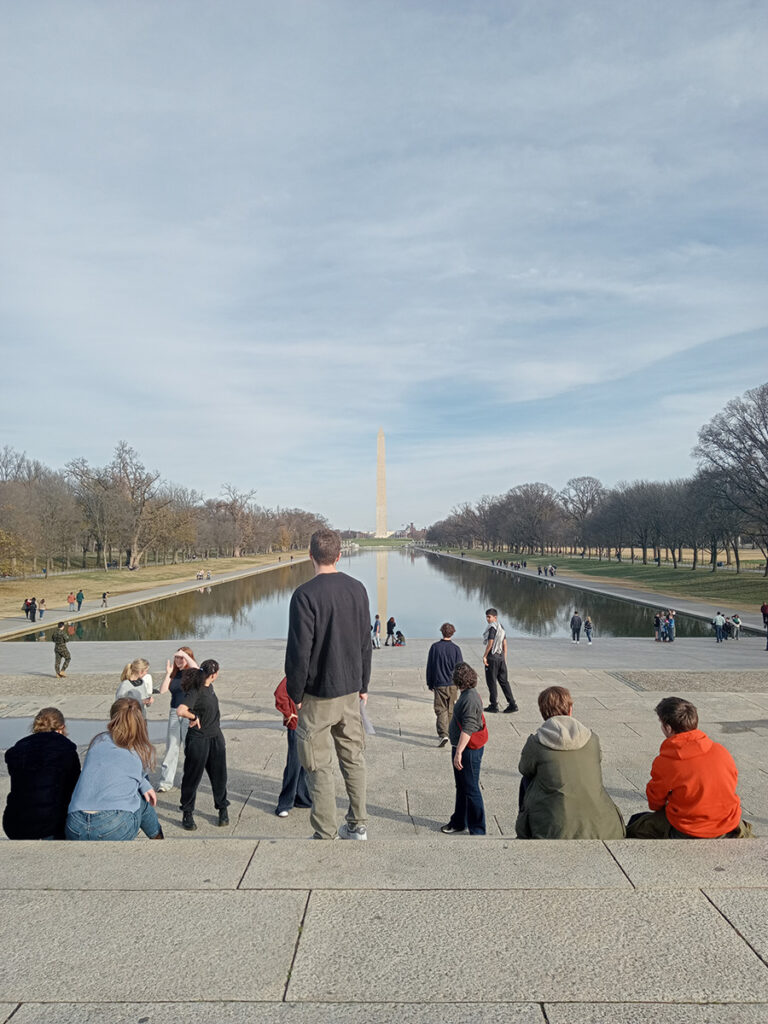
(326, 725)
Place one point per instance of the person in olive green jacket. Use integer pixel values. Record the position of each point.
(562, 794)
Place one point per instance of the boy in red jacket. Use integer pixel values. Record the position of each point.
(692, 792)
(294, 792)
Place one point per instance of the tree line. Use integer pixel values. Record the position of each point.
(123, 513)
(722, 506)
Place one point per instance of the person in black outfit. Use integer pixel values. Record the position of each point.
(390, 631)
(205, 749)
(44, 768)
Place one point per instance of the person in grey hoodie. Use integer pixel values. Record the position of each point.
(562, 794)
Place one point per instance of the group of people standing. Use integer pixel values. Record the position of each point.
(33, 609)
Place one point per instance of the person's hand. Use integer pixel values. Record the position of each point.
(195, 723)
(457, 760)
(364, 698)
(168, 667)
(294, 716)
(151, 797)
(485, 662)
(148, 701)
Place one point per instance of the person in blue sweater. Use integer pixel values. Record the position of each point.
(444, 655)
(113, 798)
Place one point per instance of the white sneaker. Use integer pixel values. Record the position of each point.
(282, 814)
(442, 741)
(347, 832)
(164, 788)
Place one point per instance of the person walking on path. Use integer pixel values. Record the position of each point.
(377, 632)
(61, 653)
(718, 622)
(444, 655)
(294, 791)
(79, 597)
(71, 602)
(177, 727)
(328, 668)
(495, 662)
(205, 749)
(575, 627)
(735, 623)
(33, 610)
(764, 613)
(469, 734)
(104, 597)
(25, 607)
(391, 624)
(113, 799)
(41, 608)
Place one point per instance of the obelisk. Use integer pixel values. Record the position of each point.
(381, 487)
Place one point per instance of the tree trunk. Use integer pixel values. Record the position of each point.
(737, 557)
(674, 558)
(695, 557)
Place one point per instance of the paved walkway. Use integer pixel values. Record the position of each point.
(751, 619)
(411, 926)
(18, 625)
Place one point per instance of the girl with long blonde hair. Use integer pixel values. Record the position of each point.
(114, 798)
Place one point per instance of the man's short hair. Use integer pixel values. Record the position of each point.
(447, 630)
(325, 546)
(555, 700)
(680, 715)
(492, 611)
(464, 676)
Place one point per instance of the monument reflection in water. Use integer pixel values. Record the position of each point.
(420, 590)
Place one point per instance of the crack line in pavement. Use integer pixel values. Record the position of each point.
(728, 921)
(250, 861)
(242, 809)
(296, 947)
(544, 1013)
(13, 1012)
(621, 869)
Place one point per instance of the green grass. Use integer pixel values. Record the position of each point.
(382, 542)
(742, 592)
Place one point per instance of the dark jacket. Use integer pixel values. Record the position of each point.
(443, 657)
(328, 653)
(565, 798)
(44, 768)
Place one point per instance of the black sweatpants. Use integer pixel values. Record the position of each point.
(204, 754)
(496, 672)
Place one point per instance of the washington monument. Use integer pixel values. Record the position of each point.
(381, 487)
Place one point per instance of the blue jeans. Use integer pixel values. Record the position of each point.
(294, 792)
(115, 826)
(469, 811)
(719, 634)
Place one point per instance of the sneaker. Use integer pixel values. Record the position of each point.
(188, 822)
(347, 832)
(442, 741)
(316, 835)
(164, 788)
(492, 709)
(589, 641)
(510, 709)
(449, 830)
(223, 817)
(282, 814)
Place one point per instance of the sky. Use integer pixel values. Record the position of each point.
(527, 239)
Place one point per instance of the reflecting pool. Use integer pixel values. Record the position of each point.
(419, 589)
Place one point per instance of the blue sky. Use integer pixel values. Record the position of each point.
(526, 239)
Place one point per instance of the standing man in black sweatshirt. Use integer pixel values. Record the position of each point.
(328, 668)
(444, 655)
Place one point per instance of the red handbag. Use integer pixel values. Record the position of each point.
(480, 738)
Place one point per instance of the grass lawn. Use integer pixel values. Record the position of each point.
(116, 581)
(382, 542)
(742, 592)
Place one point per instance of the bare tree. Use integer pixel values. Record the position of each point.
(735, 443)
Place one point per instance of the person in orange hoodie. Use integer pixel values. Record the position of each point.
(692, 792)
(294, 792)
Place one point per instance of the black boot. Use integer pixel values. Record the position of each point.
(188, 822)
(223, 817)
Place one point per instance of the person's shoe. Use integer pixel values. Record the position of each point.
(589, 641)
(188, 822)
(492, 709)
(316, 835)
(510, 709)
(282, 814)
(449, 830)
(223, 817)
(347, 832)
(164, 788)
(159, 835)
(442, 741)
(62, 675)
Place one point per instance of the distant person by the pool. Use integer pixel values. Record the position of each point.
(391, 624)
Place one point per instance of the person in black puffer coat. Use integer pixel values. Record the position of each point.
(44, 768)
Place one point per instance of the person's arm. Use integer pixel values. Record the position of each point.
(461, 746)
(365, 647)
(298, 649)
(183, 711)
(527, 765)
(489, 645)
(166, 683)
(431, 668)
(504, 647)
(658, 789)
